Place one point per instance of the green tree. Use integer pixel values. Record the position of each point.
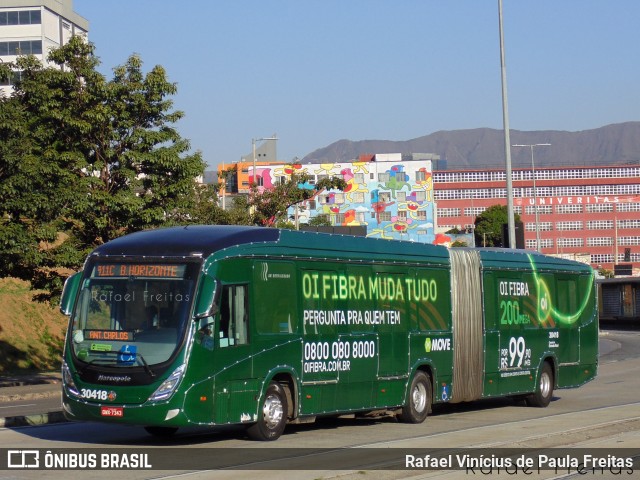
(85, 160)
(271, 206)
(458, 244)
(488, 226)
(320, 221)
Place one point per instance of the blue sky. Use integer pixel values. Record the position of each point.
(317, 71)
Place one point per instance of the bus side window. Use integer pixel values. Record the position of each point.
(234, 313)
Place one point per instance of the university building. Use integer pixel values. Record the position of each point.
(35, 27)
(590, 213)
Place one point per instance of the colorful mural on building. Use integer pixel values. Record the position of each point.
(391, 195)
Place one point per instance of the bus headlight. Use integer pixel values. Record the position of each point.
(166, 389)
(67, 380)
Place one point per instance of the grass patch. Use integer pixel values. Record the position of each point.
(31, 333)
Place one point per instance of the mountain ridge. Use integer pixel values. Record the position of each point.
(613, 144)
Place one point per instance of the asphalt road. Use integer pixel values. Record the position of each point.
(602, 414)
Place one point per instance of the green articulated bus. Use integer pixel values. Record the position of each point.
(218, 325)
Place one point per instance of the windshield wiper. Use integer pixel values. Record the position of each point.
(131, 354)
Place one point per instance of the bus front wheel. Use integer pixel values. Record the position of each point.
(419, 400)
(272, 415)
(544, 389)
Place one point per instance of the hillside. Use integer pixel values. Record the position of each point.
(484, 147)
(31, 333)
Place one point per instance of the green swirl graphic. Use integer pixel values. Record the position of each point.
(546, 309)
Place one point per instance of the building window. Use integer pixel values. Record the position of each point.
(627, 207)
(24, 17)
(421, 195)
(542, 210)
(401, 196)
(533, 244)
(546, 242)
(599, 208)
(629, 241)
(570, 242)
(599, 224)
(572, 208)
(358, 178)
(450, 212)
(339, 198)
(385, 216)
(473, 211)
(358, 197)
(599, 242)
(563, 226)
(25, 47)
(421, 176)
(542, 226)
(402, 214)
(384, 197)
(401, 176)
(628, 223)
(597, 259)
(383, 177)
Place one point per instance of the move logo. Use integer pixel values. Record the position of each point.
(437, 344)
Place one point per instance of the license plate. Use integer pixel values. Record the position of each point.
(112, 411)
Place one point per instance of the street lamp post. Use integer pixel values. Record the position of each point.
(253, 151)
(535, 193)
(505, 122)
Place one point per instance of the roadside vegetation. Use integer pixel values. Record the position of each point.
(85, 159)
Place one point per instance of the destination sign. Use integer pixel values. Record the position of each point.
(139, 270)
(116, 335)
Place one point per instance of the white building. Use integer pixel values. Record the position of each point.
(35, 27)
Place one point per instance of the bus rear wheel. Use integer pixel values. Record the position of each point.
(544, 389)
(419, 401)
(162, 432)
(272, 415)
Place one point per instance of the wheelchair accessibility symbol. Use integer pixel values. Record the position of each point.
(127, 354)
(445, 393)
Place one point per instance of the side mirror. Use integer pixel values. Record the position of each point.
(206, 298)
(69, 293)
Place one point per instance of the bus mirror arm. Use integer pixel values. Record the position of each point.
(209, 313)
(211, 305)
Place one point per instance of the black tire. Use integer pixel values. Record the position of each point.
(544, 389)
(161, 432)
(419, 399)
(273, 415)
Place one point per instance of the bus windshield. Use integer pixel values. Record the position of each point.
(132, 314)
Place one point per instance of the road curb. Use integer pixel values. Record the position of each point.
(28, 396)
(33, 420)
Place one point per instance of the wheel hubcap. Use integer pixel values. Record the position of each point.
(272, 411)
(419, 398)
(545, 384)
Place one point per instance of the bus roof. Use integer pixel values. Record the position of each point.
(190, 240)
(513, 258)
(205, 240)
